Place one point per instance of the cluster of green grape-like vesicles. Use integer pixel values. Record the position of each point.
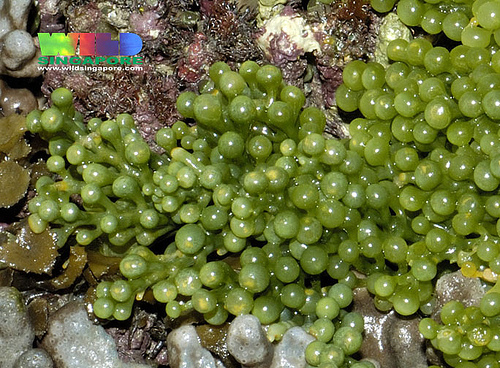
(472, 22)
(431, 125)
(107, 164)
(251, 203)
(268, 217)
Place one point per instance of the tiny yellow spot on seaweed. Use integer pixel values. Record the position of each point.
(402, 179)
(139, 296)
(309, 292)
(97, 139)
(469, 269)
(221, 251)
(65, 264)
(61, 186)
(489, 275)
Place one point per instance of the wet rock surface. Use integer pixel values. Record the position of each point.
(455, 286)
(389, 339)
(290, 352)
(18, 54)
(34, 358)
(247, 342)
(16, 331)
(394, 341)
(70, 330)
(214, 339)
(185, 350)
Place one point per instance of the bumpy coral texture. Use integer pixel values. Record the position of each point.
(17, 334)
(19, 53)
(71, 331)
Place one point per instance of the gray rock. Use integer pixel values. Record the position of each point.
(290, 352)
(16, 332)
(18, 53)
(18, 48)
(34, 358)
(389, 339)
(185, 350)
(247, 342)
(74, 341)
(455, 286)
(407, 343)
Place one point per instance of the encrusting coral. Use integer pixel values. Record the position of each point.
(17, 334)
(71, 331)
(19, 54)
